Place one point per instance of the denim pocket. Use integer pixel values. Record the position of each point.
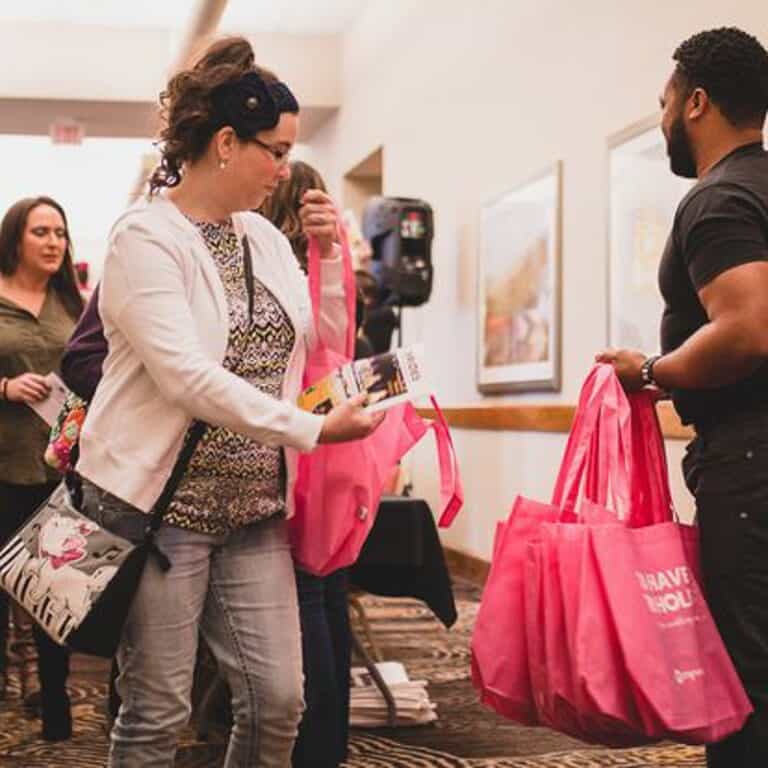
(113, 514)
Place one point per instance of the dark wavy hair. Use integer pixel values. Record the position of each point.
(732, 67)
(282, 208)
(11, 233)
(186, 109)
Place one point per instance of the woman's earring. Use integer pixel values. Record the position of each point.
(222, 164)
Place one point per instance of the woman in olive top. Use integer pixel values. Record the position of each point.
(39, 305)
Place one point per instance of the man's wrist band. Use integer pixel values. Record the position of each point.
(646, 370)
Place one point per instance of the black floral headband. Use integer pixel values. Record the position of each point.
(251, 105)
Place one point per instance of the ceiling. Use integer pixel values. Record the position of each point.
(285, 16)
(184, 21)
(298, 17)
(136, 13)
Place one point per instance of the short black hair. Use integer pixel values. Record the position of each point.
(732, 67)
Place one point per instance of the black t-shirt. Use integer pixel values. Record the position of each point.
(720, 224)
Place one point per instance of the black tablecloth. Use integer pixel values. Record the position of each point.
(403, 557)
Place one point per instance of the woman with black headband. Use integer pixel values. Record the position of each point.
(208, 320)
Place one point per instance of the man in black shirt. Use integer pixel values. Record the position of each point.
(713, 277)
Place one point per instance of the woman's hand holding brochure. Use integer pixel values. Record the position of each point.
(349, 421)
(386, 380)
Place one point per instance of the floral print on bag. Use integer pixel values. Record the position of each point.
(65, 434)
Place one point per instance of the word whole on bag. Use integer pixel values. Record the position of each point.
(77, 579)
(339, 485)
(618, 645)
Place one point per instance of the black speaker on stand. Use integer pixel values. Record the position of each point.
(400, 230)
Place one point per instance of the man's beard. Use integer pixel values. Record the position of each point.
(681, 160)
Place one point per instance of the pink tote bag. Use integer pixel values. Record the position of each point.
(628, 672)
(561, 585)
(499, 648)
(339, 485)
(548, 648)
(672, 651)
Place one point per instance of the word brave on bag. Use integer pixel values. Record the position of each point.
(670, 590)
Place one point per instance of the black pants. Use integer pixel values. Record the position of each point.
(326, 648)
(726, 468)
(17, 504)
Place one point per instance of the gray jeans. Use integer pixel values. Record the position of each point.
(239, 591)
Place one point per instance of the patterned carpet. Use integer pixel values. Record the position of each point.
(466, 735)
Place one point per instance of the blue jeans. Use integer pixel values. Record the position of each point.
(239, 591)
(325, 637)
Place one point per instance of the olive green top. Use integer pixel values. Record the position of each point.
(29, 344)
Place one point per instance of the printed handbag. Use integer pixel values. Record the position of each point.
(61, 450)
(75, 578)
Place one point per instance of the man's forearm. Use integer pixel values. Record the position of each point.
(716, 355)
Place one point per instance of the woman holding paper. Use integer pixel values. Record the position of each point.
(39, 305)
(208, 320)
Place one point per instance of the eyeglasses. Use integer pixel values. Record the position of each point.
(281, 156)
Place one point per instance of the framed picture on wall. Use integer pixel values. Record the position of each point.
(518, 323)
(643, 195)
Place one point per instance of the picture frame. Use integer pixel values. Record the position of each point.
(519, 278)
(643, 195)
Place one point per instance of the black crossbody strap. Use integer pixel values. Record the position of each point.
(172, 483)
(248, 269)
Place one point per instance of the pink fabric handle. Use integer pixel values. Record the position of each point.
(451, 489)
(607, 480)
(584, 423)
(573, 467)
(615, 454)
(350, 289)
(651, 496)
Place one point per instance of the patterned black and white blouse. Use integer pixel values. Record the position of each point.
(232, 480)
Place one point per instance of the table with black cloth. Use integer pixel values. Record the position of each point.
(403, 557)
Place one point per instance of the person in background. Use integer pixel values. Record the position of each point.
(366, 293)
(323, 607)
(81, 369)
(713, 277)
(39, 305)
(85, 352)
(207, 319)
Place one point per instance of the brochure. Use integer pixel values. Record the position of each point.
(48, 409)
(388, 379)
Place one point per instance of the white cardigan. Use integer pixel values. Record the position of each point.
(166, 321)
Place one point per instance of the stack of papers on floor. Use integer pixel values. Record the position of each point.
(368, 708)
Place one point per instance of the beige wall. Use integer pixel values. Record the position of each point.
(468, 99)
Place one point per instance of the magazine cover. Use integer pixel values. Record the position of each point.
(388, 379)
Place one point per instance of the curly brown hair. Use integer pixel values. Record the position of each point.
(186, 107)
(282, 208)
(11, 233)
